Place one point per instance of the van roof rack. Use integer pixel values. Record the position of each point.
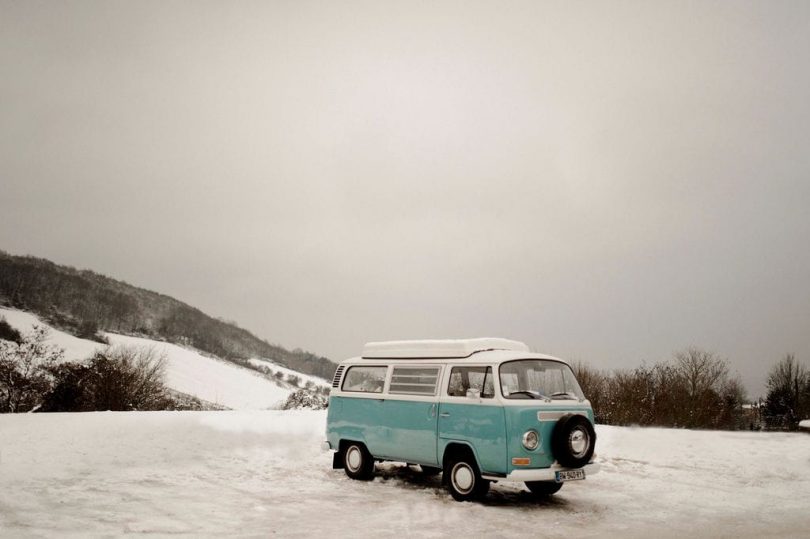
(446, 348)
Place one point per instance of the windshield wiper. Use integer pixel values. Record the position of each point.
(563, 394)
(532, 394)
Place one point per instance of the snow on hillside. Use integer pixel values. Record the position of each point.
(187, 371)
(275, 367)
(212, 380)
(256, 474)
(804, 424)
(75, 349)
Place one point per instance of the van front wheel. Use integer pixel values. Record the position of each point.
(543, 488)
(464, 481)
(358, 462)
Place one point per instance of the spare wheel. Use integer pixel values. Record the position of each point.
(573, 441)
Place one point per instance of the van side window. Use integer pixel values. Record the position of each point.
(464, 378)
(365, 379)
(414, 380)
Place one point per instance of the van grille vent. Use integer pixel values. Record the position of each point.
(338, 374)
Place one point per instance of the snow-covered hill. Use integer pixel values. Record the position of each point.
(187, 371)
(257, 474)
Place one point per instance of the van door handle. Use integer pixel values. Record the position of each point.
(445, 414)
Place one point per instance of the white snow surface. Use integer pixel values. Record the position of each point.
(187, 370)
(804, 424)
(261, 473)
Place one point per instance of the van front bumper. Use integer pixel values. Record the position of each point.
(542, 474)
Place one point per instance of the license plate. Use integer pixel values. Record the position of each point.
(569, 475)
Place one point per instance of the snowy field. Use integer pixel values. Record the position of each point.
(187, 371)
(258, 474)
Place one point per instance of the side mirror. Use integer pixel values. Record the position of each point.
(474, 394)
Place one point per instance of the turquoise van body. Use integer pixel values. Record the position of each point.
(418, 410)
(412, 432)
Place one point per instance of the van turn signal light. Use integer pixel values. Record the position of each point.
(521, 461)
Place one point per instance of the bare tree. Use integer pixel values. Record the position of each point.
(703, 374)
(788, 399)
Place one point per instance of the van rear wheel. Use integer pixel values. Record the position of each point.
(358, 462)
(463, 479)
(543, 488)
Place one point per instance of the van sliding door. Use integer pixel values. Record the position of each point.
(409, 418)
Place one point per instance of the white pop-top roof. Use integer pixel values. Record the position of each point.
(447, 348)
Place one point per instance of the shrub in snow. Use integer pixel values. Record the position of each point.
(24, 375)
(8, 333)
(88, 329)
(69, 391)
(305, 400)
(115, 378)
(184, 401)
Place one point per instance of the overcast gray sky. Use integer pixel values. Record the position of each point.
(608, 182)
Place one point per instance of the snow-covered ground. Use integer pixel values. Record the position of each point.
(187, 371)
(804, 424)
(262, 473)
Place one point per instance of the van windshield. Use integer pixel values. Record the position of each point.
(538, 379)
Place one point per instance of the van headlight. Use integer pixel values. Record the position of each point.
(531, 440)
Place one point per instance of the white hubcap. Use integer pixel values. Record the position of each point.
(579, 442)
(354, 459)
(463, 477)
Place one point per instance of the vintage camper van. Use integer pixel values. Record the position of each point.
(476, 410)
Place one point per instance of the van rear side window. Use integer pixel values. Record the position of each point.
(414, 380)
(365, 379)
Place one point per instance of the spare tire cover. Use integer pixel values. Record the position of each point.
(573, 441)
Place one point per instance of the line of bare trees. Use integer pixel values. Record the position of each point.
(693, 390)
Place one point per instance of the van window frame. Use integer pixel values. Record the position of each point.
(508, 398)
(386, 378)
(436, 388)
(493, 373)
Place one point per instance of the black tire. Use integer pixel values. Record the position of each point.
(358, 462)
(573, 441)
(430, 471)
(464, 480)
(543, 488)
